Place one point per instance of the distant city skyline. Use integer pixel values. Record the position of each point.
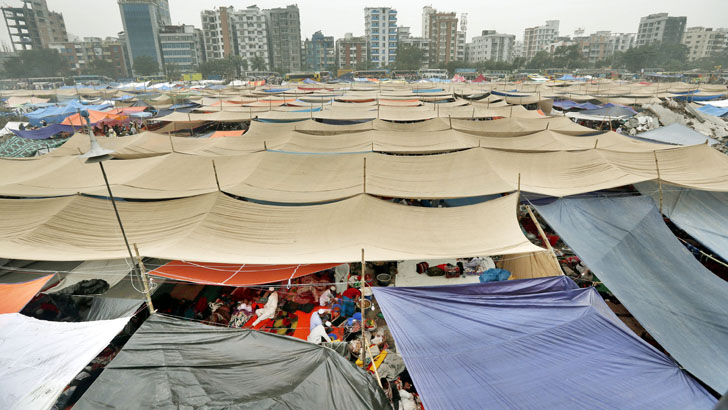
(101, 18)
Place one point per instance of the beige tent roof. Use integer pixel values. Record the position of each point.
(217, 228)
(519, 126)
(309, 178)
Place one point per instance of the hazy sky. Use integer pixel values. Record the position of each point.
(100, 18)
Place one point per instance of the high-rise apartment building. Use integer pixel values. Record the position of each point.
(661, 28)
(442, 31)
(538, 38)
(250, 36)
(143, 20)
(34, 26)
(217, 30)
(491, 46)
(182, 47)
(284, 38)
(380, 29)
(351, 52)
(704, 42)
(320, 53)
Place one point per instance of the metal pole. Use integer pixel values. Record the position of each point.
(116, 211)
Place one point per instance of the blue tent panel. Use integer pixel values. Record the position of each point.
(44, 133)
(702, 214)
(679, 302)
(529, 344)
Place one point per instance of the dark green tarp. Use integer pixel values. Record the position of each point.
(173, 363)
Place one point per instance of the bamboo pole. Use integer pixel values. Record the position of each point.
(145, 278)
(170, 142)
(543, 237)
(659, 179)
(365, 175)
(365, 342)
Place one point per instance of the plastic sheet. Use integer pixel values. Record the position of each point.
(175, 363)
(679, 302)
(529, 344)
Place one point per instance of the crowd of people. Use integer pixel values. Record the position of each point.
(119, 130)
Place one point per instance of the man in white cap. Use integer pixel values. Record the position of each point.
(317, 333)
(316, 319)
(268, 311)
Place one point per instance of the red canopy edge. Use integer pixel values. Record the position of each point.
(235, 275)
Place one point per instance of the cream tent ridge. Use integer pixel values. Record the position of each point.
(217, 228)
(310, 178)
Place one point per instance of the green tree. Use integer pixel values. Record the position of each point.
(542, 59)
(172, 72)
(568, 57)
(101, 67)
(408, 57)
(36, 63)
(145, 65)
(257, 63)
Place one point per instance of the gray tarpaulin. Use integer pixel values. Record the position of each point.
(701, 214)
(679, 302)
(103, 308)
(172, 363)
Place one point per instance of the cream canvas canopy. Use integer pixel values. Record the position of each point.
(309, 178)
(217, 228)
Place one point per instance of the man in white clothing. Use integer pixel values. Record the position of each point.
(269, 309)
(317, 333)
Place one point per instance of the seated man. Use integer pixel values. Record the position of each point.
(317, 333)
(349, 298)
(268, 310)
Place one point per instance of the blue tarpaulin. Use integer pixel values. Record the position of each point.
(702, 214)
(568, 105)
(59, 113)
(677, 300)
(675, 134)
(529, 344)
(713, 110)
(43, 133)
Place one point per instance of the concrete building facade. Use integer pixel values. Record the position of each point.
(320, 53)
(284, 38)
(405, 38)
(491, 46)
(250, 35)
(660, 28)
(217, 30)
(704, 42)
(33, 26)
(538, 38)
(351, 52)
(182, 47)
(380, 30)
(442, 31)
(81, 55)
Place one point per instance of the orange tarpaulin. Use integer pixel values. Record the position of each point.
(14, 296)
(235, 275)
(94, 117)
(231, 133)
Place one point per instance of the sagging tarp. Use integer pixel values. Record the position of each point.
(701, 214)
(112, 271)
(45, 132)
(310, 178)
(530, 265)
(235, 275)
(14, 296)
(676, 134)
(38, 358)
(175, 363)
(106, 308)
(679, 302)
(529, 344)
(218, 228)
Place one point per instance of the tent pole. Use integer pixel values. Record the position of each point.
(361, 306)
(543, 237)
(596, 141)
(449, 118)
(217, 181)
(365, 175)
(659, 179)
(145, 279)
(171, 144)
